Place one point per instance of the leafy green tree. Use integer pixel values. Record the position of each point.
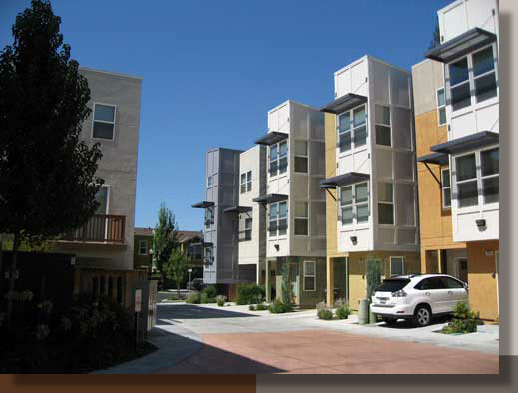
(176, 267)
(164, 238)
(47, 173)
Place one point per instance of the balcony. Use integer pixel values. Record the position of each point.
(101, 228)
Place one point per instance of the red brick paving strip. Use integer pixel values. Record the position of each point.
(328, 352)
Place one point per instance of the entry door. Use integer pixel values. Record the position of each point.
(462, 269)
(294, 273)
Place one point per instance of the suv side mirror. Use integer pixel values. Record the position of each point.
(465, 284)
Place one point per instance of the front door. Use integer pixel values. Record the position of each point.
(294, 273)
(462, 269)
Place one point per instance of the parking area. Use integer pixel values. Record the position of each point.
(211, 339)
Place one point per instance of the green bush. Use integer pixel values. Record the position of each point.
(251, 307)
(249, 294)
(210, 291)
(464, 320)
(220, 299)
(261, 307)
(193, 298)
(342, 309)
(278, 307)
(323, 312)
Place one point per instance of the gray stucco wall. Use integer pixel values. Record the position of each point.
(427, 77)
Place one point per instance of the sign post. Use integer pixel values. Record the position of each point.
(190, 271)
(138, 309)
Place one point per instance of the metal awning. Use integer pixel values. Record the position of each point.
(271, 138)
(203, 204)
(238, 209)
(271, 198)
(203, 244)
(467, 143)
(461, 45)
(434, 158)
(344, 103)
(344, 180)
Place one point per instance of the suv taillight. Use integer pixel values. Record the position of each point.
(399, 293)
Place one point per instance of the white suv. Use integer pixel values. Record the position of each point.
(417, 297)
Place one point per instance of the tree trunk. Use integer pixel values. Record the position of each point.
(16, 245)
(178, 288)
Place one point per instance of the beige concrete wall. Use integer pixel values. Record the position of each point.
(482, 278)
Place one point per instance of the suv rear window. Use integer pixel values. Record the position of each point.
(392, 285)
(430, 283)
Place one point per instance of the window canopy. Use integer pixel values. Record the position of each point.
(344, 103)
(344, 180)
(271, 138)
(203, 204)
(238, 209)
(434, 158)
(467, 143)
(271, 198)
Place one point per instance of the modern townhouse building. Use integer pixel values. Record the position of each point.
(221, 243)
(469, 54)
(371, 193)
(103, 248)
(294, 202)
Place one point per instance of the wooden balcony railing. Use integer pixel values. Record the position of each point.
(104, 228)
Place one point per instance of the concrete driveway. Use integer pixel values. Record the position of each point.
(211, 339)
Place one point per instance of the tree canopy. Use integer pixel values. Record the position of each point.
(164, 237)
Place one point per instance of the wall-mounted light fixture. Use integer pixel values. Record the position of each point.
(481, 224)
(354, 240)
(276, 247)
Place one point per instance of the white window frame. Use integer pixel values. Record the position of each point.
(352, 129)
(140, 242)
(242, 183)
(441, 107)
(295, 156)
(209, 213)
(245, 229)
(470, 180)
(300, 218)
(103, 121)
(387, 203)
(277, 219)
(402, 258)
(108, 193)
(209, 181)
(354, 205)
(278, 158)
(444, 188)
(389, 126)
(482, 177)
(314, 276)
(248, 181)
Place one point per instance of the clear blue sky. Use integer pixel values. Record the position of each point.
(212, 69)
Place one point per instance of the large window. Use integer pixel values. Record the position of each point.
(490, 175)
(102, 199)
(209, 181)
(441, 107)
(385, 203)
(397, 266)
(246, 182)
(301, 156)
(352, 127)
(466, 170)
(478, 70)
(104, 121)
(209, 217)
(301, 218)
(445, 188)
(142, 247)
(278, 219)
(354, 203)
(310, 276)
(246, 232)
(278, 158)
(383, 133)
(209, 255)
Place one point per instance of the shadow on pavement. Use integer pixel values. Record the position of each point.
(406, 324)
(169, 312)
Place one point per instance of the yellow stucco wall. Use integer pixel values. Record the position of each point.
(482, 278)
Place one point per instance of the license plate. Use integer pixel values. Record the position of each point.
(383, 302)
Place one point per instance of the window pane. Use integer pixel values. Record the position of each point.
(361, 193)
(385, 193)
(102, 198)
(283, 209)
(458, 71)
(345, 141)
(441, 101)
(273, 228)
(301, 226)
(273, 168)
(490, 162)
(283, 225)
(344, 122)
(347, 195)
(483, 61)
(360, 136)
(243, 178)
(309, 269)
(243, 188)
(385, 213)
(490, 190)
(466, 168)
(460, 97)
(468, 194)
(359, 116)
(283, 149)
(103, 130)
(249, 186)
(485, 87)
(396, 266)
(362, 213)
(383, 115)
(442, 116)
(383, 136)
(301, 209)
(249, 176)
(309, 283)
(104, 113)
(347, 215)
(446, 197)
(301, 164)
(301, 148)
(273, 211)
(273, 152)
(248, 223)
(283, 165)
(445, 178)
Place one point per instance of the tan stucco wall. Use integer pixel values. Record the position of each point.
(481, 278)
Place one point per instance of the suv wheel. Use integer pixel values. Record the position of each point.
(389, 321)
(422, 315)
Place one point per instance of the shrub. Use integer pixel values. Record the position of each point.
(464, 320)
(261, 307)
(251, 307)
(220, 299)
(194, 298)
(249, 294)
(342, 310)
(323, 312)
(278, 307)
(210, 291)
